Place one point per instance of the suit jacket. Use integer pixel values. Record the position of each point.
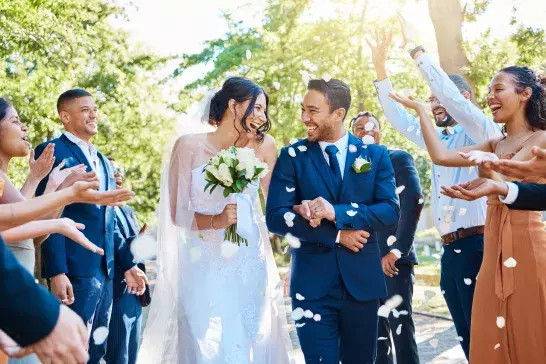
(410, 209)
(128, 236)
(531, 196)
(60, 254)
(366, 201)
(28, 312)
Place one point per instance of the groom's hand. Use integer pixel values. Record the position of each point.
(305, 211)
(353, 239)
(322, 209)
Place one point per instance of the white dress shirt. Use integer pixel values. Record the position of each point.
(512, 195)
(342, 145)
(92, 156)
(473, 127)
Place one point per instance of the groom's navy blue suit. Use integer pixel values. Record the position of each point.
(90, 274)
(342, 286)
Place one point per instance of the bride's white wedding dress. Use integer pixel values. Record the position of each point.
(227, 300)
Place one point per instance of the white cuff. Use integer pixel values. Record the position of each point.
(338, 235)
(512, 195)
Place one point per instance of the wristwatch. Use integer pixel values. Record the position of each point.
(415, 50)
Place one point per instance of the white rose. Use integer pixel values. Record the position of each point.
(225, 175)
(359, 162)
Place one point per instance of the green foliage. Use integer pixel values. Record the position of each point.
(49, 46)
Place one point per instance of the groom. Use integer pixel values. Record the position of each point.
(342, 192)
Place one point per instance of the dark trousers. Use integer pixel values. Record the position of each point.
(456, 267)
(405, 344)
(346, 332)
(93, 303)
(124, 334)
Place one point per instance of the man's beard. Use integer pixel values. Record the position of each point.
(325, 132)
(448, 121)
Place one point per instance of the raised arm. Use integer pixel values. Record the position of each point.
(280, 203)
(399, 118)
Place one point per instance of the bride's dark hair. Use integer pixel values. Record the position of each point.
(239, 89)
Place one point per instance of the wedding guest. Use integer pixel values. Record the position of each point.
(511, 290)
(398, 256)
(77, 277)
(460, 223)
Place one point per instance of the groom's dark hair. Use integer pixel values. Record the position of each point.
(70, 95)
(337, 93)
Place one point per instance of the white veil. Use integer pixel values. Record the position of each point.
(165, 339)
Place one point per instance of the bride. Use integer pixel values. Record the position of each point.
(215, 302)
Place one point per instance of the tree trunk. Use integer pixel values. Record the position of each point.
(447, 17)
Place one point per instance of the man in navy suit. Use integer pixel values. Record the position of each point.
(75, 275)
(397, 250)
(126, 321)
(342, 193)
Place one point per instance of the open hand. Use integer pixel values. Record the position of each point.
(86, 192)
(475, 189)
(71, 230)
(379, 47)
(136, 281)
(532, 168)
(479, 157)
(59, 174)
(404, 28)
(39, 168)
(409, 102)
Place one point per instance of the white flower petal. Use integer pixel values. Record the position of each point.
(496, 346)
(316, 38)
(404, 313)
(277, 85)
(317, 317)
(297, 314)
(302, 148)
(351, 213)
(443, 292)
(462, 211)
(437, 256)
(399, 329)
(289, 223)
(195, 253)
(391, 240)
(389, 351)
(384, 311)
(355, 205)
(510, 263)
(99, 335)
(307, 314)
(421, 201)
(460, 339)
(291, 152)
(299, 297)
(352, 148)
(394, 301)
(429, 294)
(368, 139)
(289, 216)
(468, 281)
(397, 252)
(457, 250)
(395, 313)
(399, 189)
(501, 322)
(326, 77)
(411, 128)
(248, 54)
(369, 126)
(143, 248)
(293, 140)
(228, 249)
(290, 189)
(381, 338)
(294, 242)
(300, 325)
(433, 343)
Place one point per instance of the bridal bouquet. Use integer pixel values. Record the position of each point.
(233, 169)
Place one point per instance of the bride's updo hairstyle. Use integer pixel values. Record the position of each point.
(239, 89)
(535, 110)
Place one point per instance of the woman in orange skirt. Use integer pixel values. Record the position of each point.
(508, 323)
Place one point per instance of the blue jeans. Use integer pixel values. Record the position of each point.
(124, 335)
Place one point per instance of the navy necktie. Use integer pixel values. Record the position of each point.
(332, 150)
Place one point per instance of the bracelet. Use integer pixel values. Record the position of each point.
(212, 222)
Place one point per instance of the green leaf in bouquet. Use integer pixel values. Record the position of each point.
(213, 187)
(210, 177)
(227, 191)
(208, 185)
(258, 171)
(239, 185)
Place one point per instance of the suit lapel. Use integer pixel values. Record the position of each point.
(130, 220)
(315, 152)
(76, 151)
(109, 176)
(350, 159)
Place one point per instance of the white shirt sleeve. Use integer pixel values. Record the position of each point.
(472, 119)
(397, 115)
(512, 195)
(338, 235)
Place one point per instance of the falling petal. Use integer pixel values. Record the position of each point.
(391, 240)
(369, 126)
(394, 301)
(316, 38)
(399, 329)
(300, 325)
(368, 139)
(389, 351)
(411, 128)
(457, 250)
(397, 253)
(289, 216)
(384, 311)
(399, 189)
(468, 281)
(307, 314)
(352, 148)
(437, 256)
(291, 152)
(317, 317)
(500, 322)
(297, 314)
(326, 77)
(289, 223)
(421, 201)
(276, 85)
(248, 54)
(100, 334)
(195, 253)
(404, 313)
(460, 339)
(433, 343)
(290, 189)
(294, 242)
(462, 211)
(497, 346)
(299, 297)
(293, 140)
(510, 263)
(355, 205)
(381, 338)
(429, 294)
(395, 313)
(302, 148)
(228, 249)
(351, 213)
(143, 248)
(443, 292)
